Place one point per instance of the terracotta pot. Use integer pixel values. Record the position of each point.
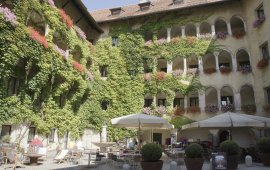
(265, 158)
(232, 162)
(152, 165)
(194, 163)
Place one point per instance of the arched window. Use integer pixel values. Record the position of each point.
(162, 34)
(209, 64)
(225, 62)
(211, 100)
(243, 63)
(227, 99)
(36, 21)
(205, 28)
(162, 65)
(247, 99)
(190, 30)
(221, 29)
(161, 99)
(238, 27)
(176, 31)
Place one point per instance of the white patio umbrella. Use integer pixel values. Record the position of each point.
(230, 119)
(141, 121)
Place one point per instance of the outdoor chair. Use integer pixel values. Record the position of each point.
(61, 156)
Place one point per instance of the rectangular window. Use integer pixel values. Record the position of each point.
(115, 41)
(13, 85)
(31, 134)
(225, 100)
(6, 130)
(161, 102)
(116, 11)
(265, 50)
(260, 11)
(145, 5)
(194, 101)
(51, 137)
(104, 105)
(103, 71)
(268, 95)
(148, 102)
(179, 102)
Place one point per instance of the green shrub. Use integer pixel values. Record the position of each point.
(263, 145)
(151, 152)
(194, 150)
(230, 147)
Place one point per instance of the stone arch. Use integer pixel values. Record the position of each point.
(221, 26)
(225, 60)
(247, 99)
(209, 63)
(243, 59)
(190, 30)
(211, 96)
(227, 95)
(205, 28)
(162, 34)
(237, 25)
(176, 31)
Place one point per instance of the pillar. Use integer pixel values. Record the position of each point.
(104, 133)
(234, 63)
(198, 30)
(219, 98)
(229, 28)
(213, 29)
(169, 34)
(47, 29)
(202, 100)
(217, 65)
(183, 31)
(169, 66)
(200, 64)
(237, 101)
(186, 101)
(185, 66)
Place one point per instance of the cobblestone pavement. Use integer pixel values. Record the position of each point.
(49, 164)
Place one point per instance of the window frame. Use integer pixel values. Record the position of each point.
(264, 48)
(5, 133)
(32, 136)
(260, 11)
(177, 101)
(163, 101)
(196, 99)
(148, 102)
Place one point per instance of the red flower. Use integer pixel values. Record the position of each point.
(262, 63)
(77, 66)
(161, 75)
(66, 19)
(193, 109)
(37, 37)
(209, 70)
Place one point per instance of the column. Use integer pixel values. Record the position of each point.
(234, 63)
(185, 66)
(169, 66)
(47, 29)
(155, 101)
(219, 98)
(216, 57)
(237, 101)
(198, 30)
(104, 133)
(183, 31)
(213, 29)
(229, 28)
(202, 100)
(186, 102)
(200, 65)
(169, 34)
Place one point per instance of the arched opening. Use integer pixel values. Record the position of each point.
(205, 29)
(60, 44)
(60, 98)
(227, 100)
(193, 103)
(36, 21)
(247, 99)
(211, 100)
(176, 31)
(179, 104)
(225, 62)
(162, 65)
(238, 27)
(76, 54)
(162, 34)
(161, 99)
(192, 65)
(243, 63)
(178, 66)
(190, 30)
(221, 29)
(209, 63)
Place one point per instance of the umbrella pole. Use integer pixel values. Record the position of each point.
(139, 134)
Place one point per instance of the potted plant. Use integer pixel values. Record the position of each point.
(263, 146)
(231, 149)
(151, 154)
(194, 157)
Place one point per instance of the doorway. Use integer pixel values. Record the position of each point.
(157, 138)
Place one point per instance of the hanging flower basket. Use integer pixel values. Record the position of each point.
(178, 111)
(66, 18)
(221, 35)
(37, 37)
(262, 63)
(211, 109)
(193, 109)
(161, 75)
(77, 66)
(209, 70)
(245, 69)
(250, 108)
(266, 108)
(227, 108)
(258, 22)
(225, 70)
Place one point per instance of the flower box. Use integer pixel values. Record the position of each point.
(258, 22)
(221, 35)
(161, 110)
(262, 63)
(148, 43)
(193, 109)
(66, 18)
(77, 66)
(177, 111)
(250, 108)
(192, 71)
(61, 52)
(266, 108)
(161, 75)
(239, 34)
(225, 70)
(211, 109)
(245, 69)
(227, 108)
(37, 37)
(161, 41)
(147, 110)
(175, 40)
(209, 70)
(190, 40)
(206, 36)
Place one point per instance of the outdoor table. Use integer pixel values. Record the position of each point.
(33, 158)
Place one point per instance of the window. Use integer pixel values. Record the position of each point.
(13, 84)
(51, 137)
(115, 41)
(268, 95)
(145, 5)
(224, 65)
(260, 12)
(116, 11)
(161, 102)
(265, 50)
(194, 101)
(178, 102)
(148, 102)
(193, 66)
(103, 71)
(225, 100)
(31, 134)
(164, 69)
(104, 105)
(6, 130)
(244, 63)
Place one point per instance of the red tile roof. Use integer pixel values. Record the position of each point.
(157, 6)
